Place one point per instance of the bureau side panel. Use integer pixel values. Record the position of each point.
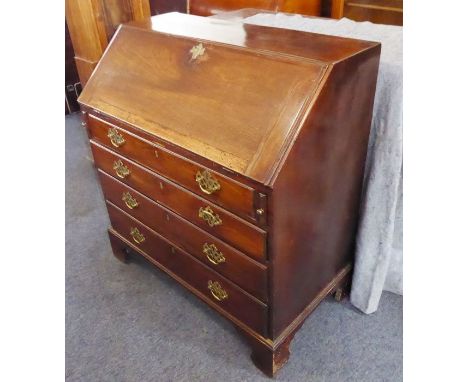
(316, 194)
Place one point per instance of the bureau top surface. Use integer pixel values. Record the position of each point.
(316, 46)
(235, 105)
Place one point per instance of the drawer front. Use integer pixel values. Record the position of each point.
(239, 268)
(218, 289)
(240, 234)
(229, 194)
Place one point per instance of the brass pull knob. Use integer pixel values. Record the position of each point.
(207, 183)
(120, 169)
(116, 138)
(217, 290)
(129, 200)
(208, 215)
(213, 254)
(137, 235)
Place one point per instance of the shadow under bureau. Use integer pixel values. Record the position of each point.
(231, 156)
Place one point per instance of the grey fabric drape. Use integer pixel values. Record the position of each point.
(379, 250)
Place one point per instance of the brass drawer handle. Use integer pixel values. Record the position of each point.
(207, 183)
(217, 290)
(213, 254)
(120, 169)
(208, 215)
(116, 138)
(137, 235)
(129, 200)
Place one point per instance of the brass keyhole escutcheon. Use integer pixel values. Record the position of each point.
(217, 290)
(197, 51)
(121, 170)
(129, 200)
(115, 137)
(207, 182)
(208, 215)
(213, 254)
(137, 236)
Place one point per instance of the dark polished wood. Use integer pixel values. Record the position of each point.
(242, 235)
(189, 156)
(337, 148)
(233, 196)
(163, 6)
(270, 355)
(239, 268)
(322, 49)
(119, 249)
(269, 359)
(72, 81)
(93, 22)
(282, 114)
(225, 127)
(237, 303)
(376, 11)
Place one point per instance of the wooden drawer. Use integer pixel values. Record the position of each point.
(239, 268)
(237, 232)
(235, 302)
(231, 195)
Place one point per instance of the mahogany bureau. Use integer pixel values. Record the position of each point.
(231, 156)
